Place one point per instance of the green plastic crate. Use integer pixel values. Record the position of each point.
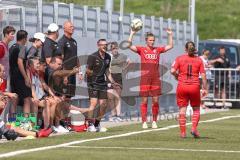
(32, 117)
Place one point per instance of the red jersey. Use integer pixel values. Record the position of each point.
(4, 58)
(188, 69)
(150, 59)
(3, 85)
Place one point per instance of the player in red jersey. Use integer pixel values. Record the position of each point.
(150, 85)
(186, 69)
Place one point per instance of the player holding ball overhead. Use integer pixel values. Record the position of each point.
(150, 85)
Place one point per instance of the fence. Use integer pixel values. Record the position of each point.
(90, 22)
(223, 87)
(94, 23)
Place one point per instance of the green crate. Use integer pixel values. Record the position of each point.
(32, 117)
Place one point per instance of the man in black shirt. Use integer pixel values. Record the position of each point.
(50, 47)
(68, 47)
(19, 81)
(97, 72)
(221, 77)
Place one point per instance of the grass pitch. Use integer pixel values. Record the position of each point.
(219, 140)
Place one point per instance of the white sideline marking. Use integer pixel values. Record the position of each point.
(162, 149)
(14, 153)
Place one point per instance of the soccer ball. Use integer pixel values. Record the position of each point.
(136, 24)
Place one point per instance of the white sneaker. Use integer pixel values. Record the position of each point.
(111, 119)
(55, 129)
(91, 128)
(101, 129)
(61, 129)
(144, 125)
(118, 119)
(154, 125)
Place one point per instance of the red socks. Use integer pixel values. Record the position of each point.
(182, 123)
(1, 110)
(195, 118)
(155, 110)
(144, 112)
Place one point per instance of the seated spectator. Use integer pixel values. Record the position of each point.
(39, 97)
(39, 134)
(52, 98)
(5, 96)
(54, 77)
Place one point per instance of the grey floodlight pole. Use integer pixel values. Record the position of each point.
(109, 5)
(189, 10)
(121, 10)
(120, 20)
(192, 5)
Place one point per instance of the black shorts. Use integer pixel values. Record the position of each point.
(97, 92)
(18, 86)
(70, 89)
(219, 82)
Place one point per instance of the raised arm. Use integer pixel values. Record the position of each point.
(170, 40)
(130, 46)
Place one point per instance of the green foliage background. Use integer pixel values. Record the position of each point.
(215, 18)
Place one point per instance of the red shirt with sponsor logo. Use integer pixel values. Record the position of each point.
(188, 69)
(150, 60)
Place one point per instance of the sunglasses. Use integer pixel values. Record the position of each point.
(102, 44)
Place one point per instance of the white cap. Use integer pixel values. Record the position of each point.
(53, 27)
(39, 36)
